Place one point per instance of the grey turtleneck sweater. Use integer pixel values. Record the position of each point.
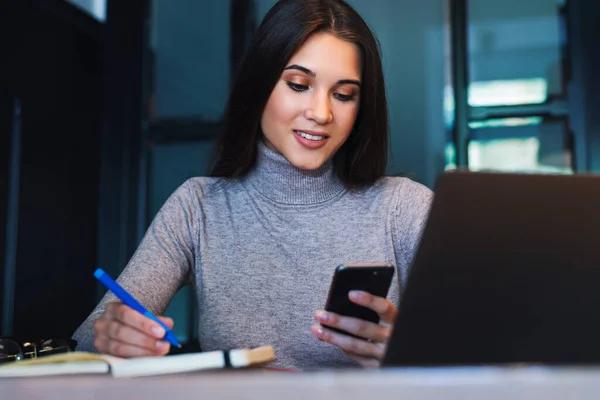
(261, 251)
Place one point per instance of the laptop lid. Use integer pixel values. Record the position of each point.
(508, 270)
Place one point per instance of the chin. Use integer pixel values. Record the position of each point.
(309, 164)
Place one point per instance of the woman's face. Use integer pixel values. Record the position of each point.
(313, 106)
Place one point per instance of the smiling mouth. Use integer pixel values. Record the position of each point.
(309, 136)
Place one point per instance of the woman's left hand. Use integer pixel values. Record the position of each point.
(369, 352)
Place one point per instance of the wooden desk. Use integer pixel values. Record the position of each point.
(440, 383)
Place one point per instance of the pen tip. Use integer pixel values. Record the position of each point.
(178, 346)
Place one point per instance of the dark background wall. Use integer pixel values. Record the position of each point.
(54, 70)
(5, 142)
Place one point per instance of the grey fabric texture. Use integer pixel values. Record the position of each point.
(260, 253)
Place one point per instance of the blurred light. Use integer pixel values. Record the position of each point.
(96, 8)
(505, 122)
(513, 155)
(508, 93)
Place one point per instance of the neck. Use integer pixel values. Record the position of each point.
(277, 179)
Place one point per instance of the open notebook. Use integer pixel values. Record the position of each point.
(91, 363)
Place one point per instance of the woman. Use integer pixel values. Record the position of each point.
(297, 188)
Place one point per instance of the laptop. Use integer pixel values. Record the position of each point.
(507, 271)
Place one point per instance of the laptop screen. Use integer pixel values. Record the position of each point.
(508, 271)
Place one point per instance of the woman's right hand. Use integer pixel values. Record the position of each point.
(124, 332)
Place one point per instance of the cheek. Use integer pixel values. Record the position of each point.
(347, 117)
(280, 109)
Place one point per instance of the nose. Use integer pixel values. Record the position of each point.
(319, 109)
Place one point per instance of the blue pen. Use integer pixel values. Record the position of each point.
(128, 300)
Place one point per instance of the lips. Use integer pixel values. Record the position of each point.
(311, 139)
(315, 135)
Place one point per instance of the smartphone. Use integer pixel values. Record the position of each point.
(372, 278)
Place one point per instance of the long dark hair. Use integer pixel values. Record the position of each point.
(362, 159)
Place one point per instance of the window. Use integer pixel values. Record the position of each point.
(506, 105)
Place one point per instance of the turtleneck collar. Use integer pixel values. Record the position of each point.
(277, 179)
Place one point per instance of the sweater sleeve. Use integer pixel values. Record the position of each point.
(161, 265)
(413, 202)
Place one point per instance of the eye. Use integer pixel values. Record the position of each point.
(343, 97)
(296, 87)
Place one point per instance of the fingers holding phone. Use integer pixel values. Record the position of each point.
(123, 332)
(384, 308)
(361, 340)
(357, 317)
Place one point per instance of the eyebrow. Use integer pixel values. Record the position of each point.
(313, 74)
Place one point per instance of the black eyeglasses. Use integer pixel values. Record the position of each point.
(12, 350)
